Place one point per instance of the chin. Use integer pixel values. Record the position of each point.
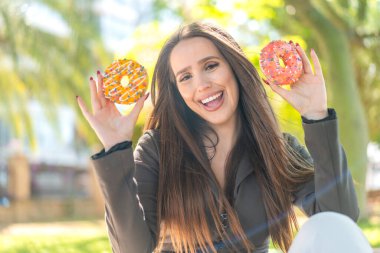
(218, 120)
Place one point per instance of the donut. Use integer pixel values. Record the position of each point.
(270, 58)
(125, 81)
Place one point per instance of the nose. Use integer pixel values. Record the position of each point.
(202, 83)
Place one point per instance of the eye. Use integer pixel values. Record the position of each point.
(211, 65)
(185, 77)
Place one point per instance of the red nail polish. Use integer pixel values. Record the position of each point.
(297, 44)
(76, 96)
(290, 41)
(91, 78)
(98, 72)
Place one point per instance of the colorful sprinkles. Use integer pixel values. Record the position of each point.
(270, 57)
(130, 93)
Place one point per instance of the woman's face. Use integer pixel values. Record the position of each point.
(205, 80)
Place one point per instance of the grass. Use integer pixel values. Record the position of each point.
(54, 244)
(371, 229)
(100, 244)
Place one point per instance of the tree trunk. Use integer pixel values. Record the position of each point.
(343, 91)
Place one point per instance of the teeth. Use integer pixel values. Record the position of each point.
(209, 99)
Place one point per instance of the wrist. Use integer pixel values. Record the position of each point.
(109, 144)
(316, 115)
(117, 147)
(106, 148)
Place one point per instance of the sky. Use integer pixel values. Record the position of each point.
(117, 19)
(114, 15)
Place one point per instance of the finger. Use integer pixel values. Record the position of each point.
(84, 109)
(101, 96)
(317, 65)
(138, 107)
(305, 61)
(265, 81)
(94, 96)
(279, 90)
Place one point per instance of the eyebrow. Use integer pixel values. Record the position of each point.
(199, 62)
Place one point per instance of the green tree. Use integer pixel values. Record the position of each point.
(347, 37)
(48, 66)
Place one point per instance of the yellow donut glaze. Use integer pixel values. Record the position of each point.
(125, 81)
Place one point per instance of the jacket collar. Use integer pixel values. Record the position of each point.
(244, 170)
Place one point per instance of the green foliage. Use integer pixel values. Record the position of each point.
(356, 22)
(259, 10)
(347, 41)
(371, 229)
(40, 65)
(100, 244)
(56, 244)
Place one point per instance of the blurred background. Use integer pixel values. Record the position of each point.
(49, 199)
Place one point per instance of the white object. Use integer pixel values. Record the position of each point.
(330, 232)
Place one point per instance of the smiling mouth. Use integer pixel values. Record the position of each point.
(213, 103)
(212, 98)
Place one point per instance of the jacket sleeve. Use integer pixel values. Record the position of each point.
(128, 181)
(331, 188)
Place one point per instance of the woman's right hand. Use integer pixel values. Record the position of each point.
(109, 124)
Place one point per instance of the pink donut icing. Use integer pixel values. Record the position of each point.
(270, 58)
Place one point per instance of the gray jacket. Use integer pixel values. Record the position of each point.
(129, 183)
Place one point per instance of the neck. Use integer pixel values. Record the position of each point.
(227, 133)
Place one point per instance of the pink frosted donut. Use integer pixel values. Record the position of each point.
(270, 58)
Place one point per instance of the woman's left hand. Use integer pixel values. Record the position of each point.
(308, 94)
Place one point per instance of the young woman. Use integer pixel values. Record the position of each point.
(213, 172)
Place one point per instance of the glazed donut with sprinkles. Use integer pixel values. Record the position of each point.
(125, 81)
(270, 63)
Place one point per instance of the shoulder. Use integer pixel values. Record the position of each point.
(293, 143)
(290, 140)
(149, 137)
(148, 144)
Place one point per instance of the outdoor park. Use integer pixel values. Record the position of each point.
(50, 200)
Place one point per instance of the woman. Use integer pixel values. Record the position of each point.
(213, 172)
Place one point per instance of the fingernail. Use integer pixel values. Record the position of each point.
(265, 81)
(98, 72)
(312, 50)
(91, 78)
(290, 41)
(76, 96)
(147, 95)
(297, 44)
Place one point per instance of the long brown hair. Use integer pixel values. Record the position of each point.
(185, 178)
